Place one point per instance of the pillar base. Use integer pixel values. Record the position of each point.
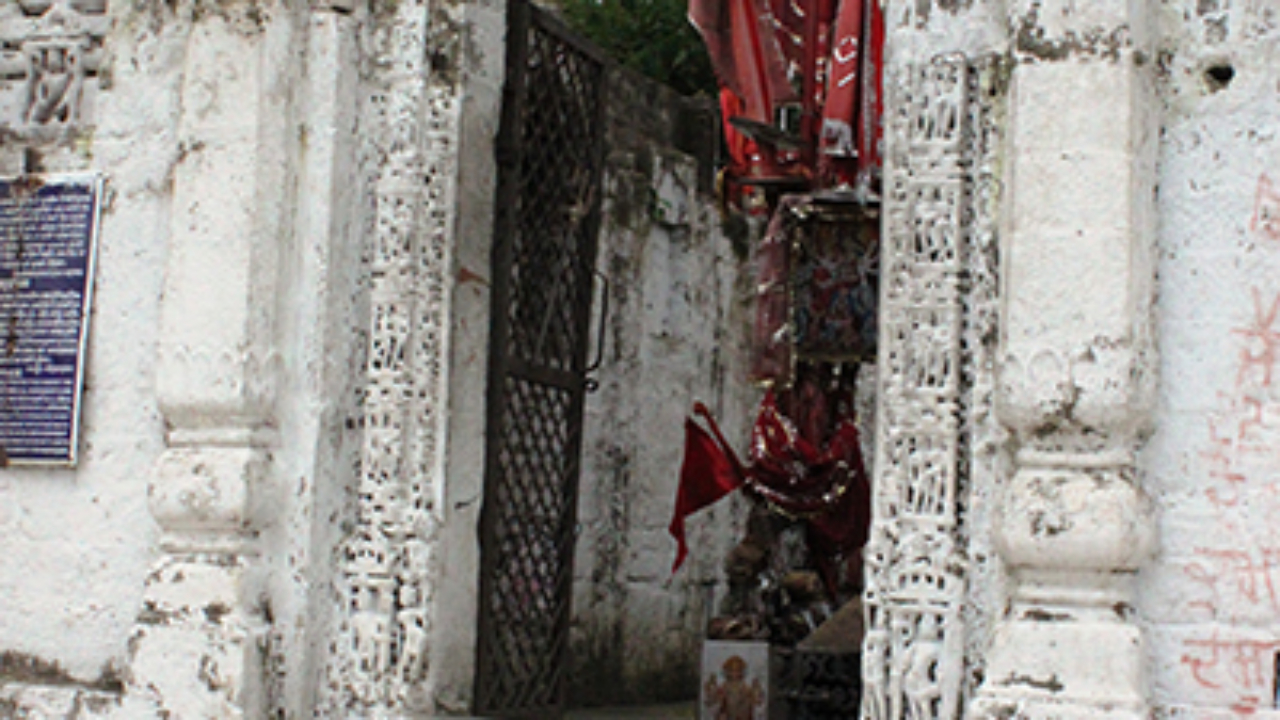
(1049, 665)
(194, 650)
(1007, 709)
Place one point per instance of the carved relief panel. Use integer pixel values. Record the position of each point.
(378, 662)
(937, 325)
(50, 54)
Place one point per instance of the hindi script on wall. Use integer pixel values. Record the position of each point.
(48, 229)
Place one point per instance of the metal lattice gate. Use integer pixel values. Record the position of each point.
(550, 155)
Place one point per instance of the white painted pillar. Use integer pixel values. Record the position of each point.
(1077, 365)
(199, 640)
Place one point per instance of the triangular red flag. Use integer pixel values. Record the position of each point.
(709, 472)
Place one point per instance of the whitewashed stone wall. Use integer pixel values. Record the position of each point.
(194, 563)
(76, 545)
(292, 290)
(479, 56)
(257, 388)
(1122, 585)
(935, 584)
(1209, 598)
(407, 157)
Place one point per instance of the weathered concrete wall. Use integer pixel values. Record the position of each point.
(1210, 599)
(675, 333)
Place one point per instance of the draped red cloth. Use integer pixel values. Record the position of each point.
(772, 344)
(742, 150)
(743, 40)
(838, 138)
(826, 486)
(745, 53)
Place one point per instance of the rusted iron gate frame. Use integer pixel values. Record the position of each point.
(502, 688)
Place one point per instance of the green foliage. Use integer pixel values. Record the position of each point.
(652, 37)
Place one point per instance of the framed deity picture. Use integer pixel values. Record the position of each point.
(835, 272)
(817, 273)
(735, 680)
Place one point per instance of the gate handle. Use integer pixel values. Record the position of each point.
(591, 383)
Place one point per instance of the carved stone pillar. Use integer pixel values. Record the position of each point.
(1076, 370)
(380, 656)
(198, 644)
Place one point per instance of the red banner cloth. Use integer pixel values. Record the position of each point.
(838, 112)
(825, 58)
(772, 335)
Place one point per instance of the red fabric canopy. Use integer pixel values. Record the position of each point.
(745, 54)
(823, 56)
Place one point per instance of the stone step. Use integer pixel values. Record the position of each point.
(678, 711)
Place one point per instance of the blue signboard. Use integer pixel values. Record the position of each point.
(48, 234)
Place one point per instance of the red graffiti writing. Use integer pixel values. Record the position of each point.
(1263, 342)
(1222, 465)
(1247, 575)
(1239, 576)
(1247, 665)
(1237, 431)
(1266, 209)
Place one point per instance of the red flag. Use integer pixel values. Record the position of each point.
(709, 472)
